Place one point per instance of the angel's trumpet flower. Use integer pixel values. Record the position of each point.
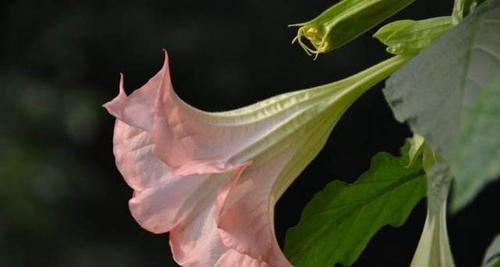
(212, 179)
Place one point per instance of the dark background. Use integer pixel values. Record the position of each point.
(62, 201)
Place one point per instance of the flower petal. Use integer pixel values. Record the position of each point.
(246, 206)
(135, 159)
(192, 141)
(197, 243)
(137, 109)
(158, 209)
(181, 204)
(160, 200)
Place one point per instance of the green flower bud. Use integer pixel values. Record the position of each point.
(462, 8)
(343, 22)
(408, 37)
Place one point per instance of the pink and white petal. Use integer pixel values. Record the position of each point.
(233, 258)
(189, 145)
(137, 109)
(197, 243)
(160, 200)
(116, 105)
(160, 208)
(175, 200)
(246, 204)
(135, 158)
(192, 141)
(246, 212)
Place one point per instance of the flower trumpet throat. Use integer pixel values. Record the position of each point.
(212, 179)
(343, 22)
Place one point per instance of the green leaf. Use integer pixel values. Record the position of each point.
(338, 223)
(492, 256)
(435, 91)
(408, 37)
(477, 154)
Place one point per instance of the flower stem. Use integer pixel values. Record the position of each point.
(458, 11)
(434, 247)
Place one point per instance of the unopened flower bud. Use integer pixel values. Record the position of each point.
(343, 22)
(408, 37)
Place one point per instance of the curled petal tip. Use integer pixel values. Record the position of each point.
(166, 67)
(115, 106)
(165, 53)
(122, 86)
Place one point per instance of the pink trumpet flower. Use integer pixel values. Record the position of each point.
(212, 179)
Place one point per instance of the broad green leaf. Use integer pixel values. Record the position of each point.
(338, 223)
(492, 256)
(433, 248)
(408, 37)
(477, 153)
(435, 91)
